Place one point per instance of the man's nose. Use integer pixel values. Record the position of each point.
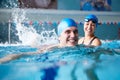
(72, 34)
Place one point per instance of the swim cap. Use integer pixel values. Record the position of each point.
(92, 18)
(65, 23)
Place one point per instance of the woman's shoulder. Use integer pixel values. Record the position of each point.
(97, 42)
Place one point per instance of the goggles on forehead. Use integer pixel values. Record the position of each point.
(93, 20)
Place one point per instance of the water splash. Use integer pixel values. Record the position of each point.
(28, 35)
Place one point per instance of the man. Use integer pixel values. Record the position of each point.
(67, 36)
(68, 32)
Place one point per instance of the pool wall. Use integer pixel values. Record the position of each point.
(108, 30)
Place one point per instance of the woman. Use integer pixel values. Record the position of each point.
(89, 39)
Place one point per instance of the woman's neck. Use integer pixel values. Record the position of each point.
(89, 36)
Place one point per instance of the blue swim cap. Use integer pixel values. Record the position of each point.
(92, 18)
(65, 23)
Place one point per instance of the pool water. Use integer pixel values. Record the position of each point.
(69, 63)
(25, 26)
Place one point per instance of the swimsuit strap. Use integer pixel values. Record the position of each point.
(90, 41)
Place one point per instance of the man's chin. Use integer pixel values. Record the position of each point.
(72, 44)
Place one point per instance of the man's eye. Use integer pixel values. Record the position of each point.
(87, 23)
(76, 31)
(68, 31)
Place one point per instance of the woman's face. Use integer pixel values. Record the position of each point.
(89, 28)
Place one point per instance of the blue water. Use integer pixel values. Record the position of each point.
(76, 63)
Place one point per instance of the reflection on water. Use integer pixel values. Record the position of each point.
(76, 63)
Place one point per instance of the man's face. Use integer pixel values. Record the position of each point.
(69, 37)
